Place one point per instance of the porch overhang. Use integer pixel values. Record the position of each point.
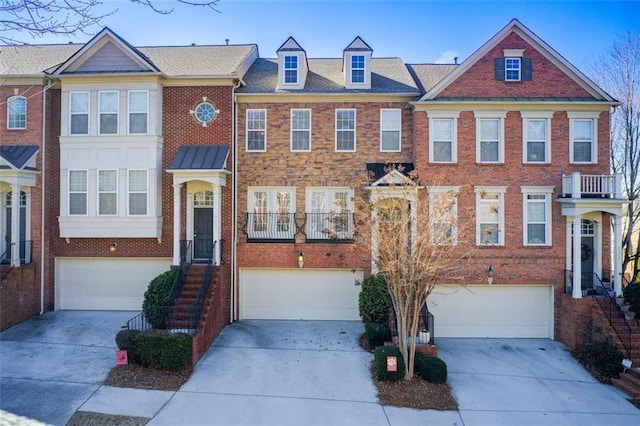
(18, 165)
(204, 163)
(582, 206)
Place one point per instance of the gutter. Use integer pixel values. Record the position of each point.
(234, 219)
(43, 192)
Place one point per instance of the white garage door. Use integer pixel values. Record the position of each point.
(310, 294)
(493, 311)
(105, 284)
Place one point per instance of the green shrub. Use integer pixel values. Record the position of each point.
(431, 369)
(376, 334)
(156, 299)
(380, 364)
(631, 295)
(599, 355)
(374, 300)
(127, 340)
(164, 351)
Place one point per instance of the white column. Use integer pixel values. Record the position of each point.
(15, 225)
(617, 255)
(568, 243)
(217, 228)
(577, 261)
(176, 223)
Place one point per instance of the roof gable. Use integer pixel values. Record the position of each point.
(290, 45)
(106, 52)
(516, 36)
(358, 44)
(18, 156)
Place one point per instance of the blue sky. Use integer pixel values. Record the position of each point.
(418, 31)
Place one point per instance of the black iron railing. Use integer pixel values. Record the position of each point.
(271, 227)
(185, 262)
(426, 322)
(24, 254)
(183, 319)
(328, 227)
(615, 316)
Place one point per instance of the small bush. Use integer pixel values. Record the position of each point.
(380, 364)
(374, 300)
(431, 369)
(156, 298)
(127, 340)
(163, 350)
(631, 295)
(376, 334)
(599, 355)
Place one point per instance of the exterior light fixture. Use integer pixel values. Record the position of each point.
(113, 247)
(300, 260)
(490, 274)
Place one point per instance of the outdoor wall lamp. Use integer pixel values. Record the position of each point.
(113, 247)
(300, 260)
(490, 274)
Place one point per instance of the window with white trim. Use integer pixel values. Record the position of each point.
(138, 190)
(346, 130)
(443, 140)
(257, 130)
(329, 213)
(78, 192)
(582, 138)
(490, 140)
(138, 111)
(357, 69)
(536, 215)
(536, 138)
(490, 216)
(300, 130)
(390, 129)
(107, 192)
(291, 69)
(108, 111)
(271, 213)
(79, 113)
(17, 113)
(443, 214)
(512, 69)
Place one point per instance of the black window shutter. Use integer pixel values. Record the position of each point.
(500, 69)
(526, 69)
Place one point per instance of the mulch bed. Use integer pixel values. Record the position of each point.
(138, 377)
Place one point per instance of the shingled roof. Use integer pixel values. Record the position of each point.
(428, 75)
(388, 75)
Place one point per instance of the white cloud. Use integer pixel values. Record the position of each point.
(447, 57)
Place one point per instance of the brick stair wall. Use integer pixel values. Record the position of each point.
(629, 382)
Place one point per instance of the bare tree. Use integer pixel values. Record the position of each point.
(618, 72)
(20, 19)
(418, 238)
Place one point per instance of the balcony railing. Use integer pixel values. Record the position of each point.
(577, 185)
(271, 227)
(329, 226)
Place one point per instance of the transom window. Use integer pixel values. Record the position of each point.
(512, 69)
(300, 130)
(108, 106)
(390, 125)
(203, 199)
(346, 130)
(257, 130)
(17, 113)
(138, 111)
(79, 113)
(536, 215)
(291, 69)
(357, 68)
(107, 192)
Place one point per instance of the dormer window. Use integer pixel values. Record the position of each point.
(357, 69)
(291, 69)
(512, 69)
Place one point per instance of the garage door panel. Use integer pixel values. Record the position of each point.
(299, 294)
(105, 284)
(493, 311)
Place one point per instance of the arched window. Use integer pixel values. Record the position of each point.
(17, 113)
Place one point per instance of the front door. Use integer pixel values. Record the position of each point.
(203, 232)
(22, 235)
(586, 256)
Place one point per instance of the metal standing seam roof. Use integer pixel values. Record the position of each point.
(388, 75)
(18, 155)
(212, 157)
(176, 61)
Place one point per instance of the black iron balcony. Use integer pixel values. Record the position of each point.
(329, 227)
(265, 227)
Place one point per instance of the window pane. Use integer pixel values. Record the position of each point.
(108, 102)
(137, 204)
(536, 233)
(582, 152)
(535, 151)
(107, 203)
(108, 124)
(442, 151)
(107, 180)
(536, 130)
(138, 101)
(256, 126)
(390, 141)
(489, 130)
(489, 233)
(78, 203)
(357, 69)
(443, 130)
(77, 180)
(489, 151)
(79, 102)
(536, 211)
(138, 123)
(345, 126)
(137, 180)
(582, 130)
(17, 113)
(300, 141)
(80, 124)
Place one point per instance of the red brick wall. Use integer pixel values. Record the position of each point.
(19, 295)
(573, 317)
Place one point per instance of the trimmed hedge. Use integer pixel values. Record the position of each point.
(374, 300)
(156, 298)
(157, 349)
(432, 369)
(380, 364)
(376, 334)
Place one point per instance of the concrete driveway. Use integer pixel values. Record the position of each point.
(294, 373)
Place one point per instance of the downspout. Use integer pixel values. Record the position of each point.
(234, 220)
(42, 193)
